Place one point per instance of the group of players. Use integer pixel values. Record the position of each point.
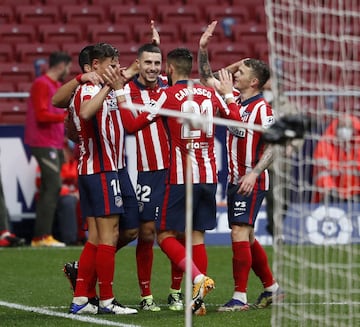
(167, 147)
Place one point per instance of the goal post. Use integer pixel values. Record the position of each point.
(314, 54)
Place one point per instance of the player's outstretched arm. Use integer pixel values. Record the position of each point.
(63, 95)
(206, 75)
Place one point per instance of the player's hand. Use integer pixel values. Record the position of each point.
(114, 77)
(205, 37)
(247, 183)
(92, 77)
(226, 82)
(155, 38)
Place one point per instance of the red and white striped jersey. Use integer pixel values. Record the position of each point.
(99, 136)
(151, 137)
(196, 142)
(245, 146)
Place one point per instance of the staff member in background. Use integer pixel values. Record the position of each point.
(44, 134)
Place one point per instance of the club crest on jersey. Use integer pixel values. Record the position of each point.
(118, 201)
(245, 115)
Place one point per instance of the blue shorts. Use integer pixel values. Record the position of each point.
(129, 219)
(243, 209)
(98, 197)
(174, 212)
(150, 192)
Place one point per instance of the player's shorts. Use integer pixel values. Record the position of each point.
(243, 209)
(174, 212)
(129, 219)
(98, 197)
(150, 192)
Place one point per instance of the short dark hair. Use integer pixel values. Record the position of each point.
(260, 69)
(182, 59)
(57, 57)
(103, 51)
(148, 47)
(84, 56)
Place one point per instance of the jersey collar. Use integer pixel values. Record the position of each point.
(254, 98)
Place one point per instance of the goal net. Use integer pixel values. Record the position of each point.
(314, 55)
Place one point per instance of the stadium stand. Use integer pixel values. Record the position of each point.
(131, 14)
(31, 29)
(29, 52)
(111, 33)
(37, 14)
(17, 33)
(6, 52)
(7, 14)
(179, 14)
(61, 33)
(13, 112)
(16, 71)
(168, 33)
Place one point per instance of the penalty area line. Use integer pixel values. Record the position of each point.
(51, 313)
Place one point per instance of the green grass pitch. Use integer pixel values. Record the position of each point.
(33, 279)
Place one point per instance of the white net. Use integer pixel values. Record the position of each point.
(315, 59)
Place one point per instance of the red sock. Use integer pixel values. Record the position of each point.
(144, 262)
(260, 264)
(105, 268)
(200, 257)
(86, 269)
(176, 272)
(176, 253)
(241, 265)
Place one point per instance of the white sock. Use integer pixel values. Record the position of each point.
(80, 300)
(105, 303)
(273, 288)
(240, 296)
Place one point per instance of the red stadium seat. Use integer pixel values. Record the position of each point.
(192, 32)
(17, 72)
(7, 52)
(37, 14)
(29, 52)
(248, 30)
(73, 49)
(61, 33)
(179, 14)
(7, 14)
(168, 32)
(65, 2)
(7, 87)
(109, 33)
(228, 52)
(19, 2)
(13, 112)
(127, 51)
(219, 12)
(261, 51)
(83, 14)
(131, 14)
(24, 86)
(17, 33)
(203, 3)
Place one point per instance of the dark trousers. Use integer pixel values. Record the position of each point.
(50, 161)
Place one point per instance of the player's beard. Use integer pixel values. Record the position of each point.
(170, 83)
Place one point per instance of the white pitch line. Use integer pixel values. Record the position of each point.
(98, 321)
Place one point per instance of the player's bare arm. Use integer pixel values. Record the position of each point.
(155, 38)
(206, 74)
(63, 95)
(90, 107)
(248, 181)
